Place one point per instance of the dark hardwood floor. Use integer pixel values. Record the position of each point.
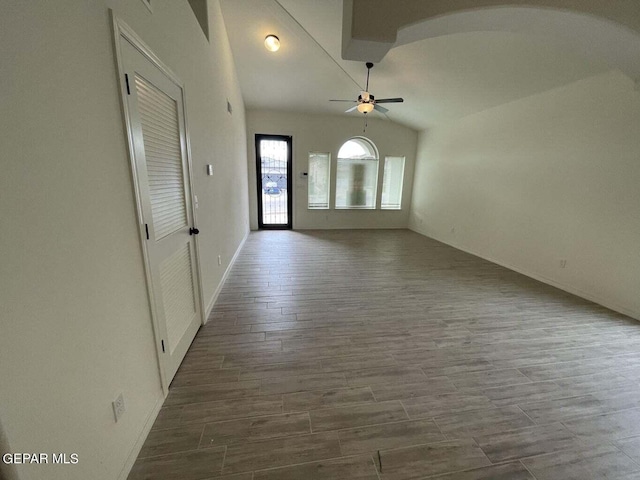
(384, 355)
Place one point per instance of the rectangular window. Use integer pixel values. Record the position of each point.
(356, 183)
(318, 180)
(392, 183)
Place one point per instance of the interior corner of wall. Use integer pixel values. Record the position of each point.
(227, 271)
(7, 470)
(360, 49)
(347, 23)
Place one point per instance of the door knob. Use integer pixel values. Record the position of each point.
(194, 231)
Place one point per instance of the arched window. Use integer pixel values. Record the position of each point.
(357, 174)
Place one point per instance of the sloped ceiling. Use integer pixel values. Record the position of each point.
(441, 78)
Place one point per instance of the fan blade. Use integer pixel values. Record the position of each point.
(351, 109)
(343, 101)
(380, 109)
(390, 100)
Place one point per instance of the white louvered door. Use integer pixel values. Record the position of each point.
(155, 108)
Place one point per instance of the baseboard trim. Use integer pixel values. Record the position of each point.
(214, 298)
(153, 414)
(345, 227)
(137, 446)
(541, 278)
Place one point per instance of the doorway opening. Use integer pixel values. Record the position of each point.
(273, 173)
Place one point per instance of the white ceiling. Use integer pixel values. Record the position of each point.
(440, 78)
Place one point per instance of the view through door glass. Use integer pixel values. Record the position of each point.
(273, 154)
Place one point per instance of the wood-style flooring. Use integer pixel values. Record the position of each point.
(384, 355)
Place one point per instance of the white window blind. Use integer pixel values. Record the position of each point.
(318, 180)
(392, 183)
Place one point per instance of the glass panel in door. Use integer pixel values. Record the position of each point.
(273, 164)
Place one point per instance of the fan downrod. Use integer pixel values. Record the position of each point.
(369, 67)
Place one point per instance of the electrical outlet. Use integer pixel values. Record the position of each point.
(118, 407)
(219, 259)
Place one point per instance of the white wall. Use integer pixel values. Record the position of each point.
(327, 133)
(550, 177)
(75, 323)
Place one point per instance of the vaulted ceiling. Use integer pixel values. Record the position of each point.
(445, 68)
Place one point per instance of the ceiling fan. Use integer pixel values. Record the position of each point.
(367, 102)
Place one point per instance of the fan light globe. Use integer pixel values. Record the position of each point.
(272, 43)
(365, 107)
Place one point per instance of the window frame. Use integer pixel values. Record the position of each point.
(329, 180)
(384, 171)
(374, 184)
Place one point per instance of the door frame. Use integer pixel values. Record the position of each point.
(289, 140)
(122, 30)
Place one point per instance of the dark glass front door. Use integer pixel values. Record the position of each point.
(273, 167)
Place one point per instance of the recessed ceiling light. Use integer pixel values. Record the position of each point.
(272, 43)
